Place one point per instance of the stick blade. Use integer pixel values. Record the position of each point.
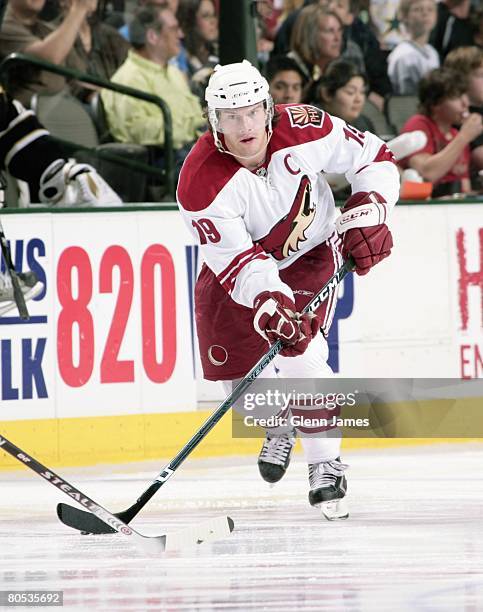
(217, 528)
(82, 520)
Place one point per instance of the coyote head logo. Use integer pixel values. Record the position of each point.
(285, 237)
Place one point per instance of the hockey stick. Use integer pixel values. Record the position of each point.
(17, 291)
(209, 530)
(78, 519)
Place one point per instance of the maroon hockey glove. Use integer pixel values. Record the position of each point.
(365, 235)
(275, 319)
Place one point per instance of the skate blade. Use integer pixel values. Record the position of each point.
(335, 510)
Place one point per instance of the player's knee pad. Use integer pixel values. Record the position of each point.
(312, 364)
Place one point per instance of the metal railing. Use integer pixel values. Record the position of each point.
(168, 172)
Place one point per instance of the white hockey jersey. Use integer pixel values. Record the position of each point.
(251, 224)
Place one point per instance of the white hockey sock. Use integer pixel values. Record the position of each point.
(317, 450)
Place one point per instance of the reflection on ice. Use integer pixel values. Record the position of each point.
(413, 542)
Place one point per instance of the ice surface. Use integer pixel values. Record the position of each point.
(414, 540)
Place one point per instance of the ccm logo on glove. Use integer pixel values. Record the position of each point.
(365, 236)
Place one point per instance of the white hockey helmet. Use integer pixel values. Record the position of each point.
(235, 86)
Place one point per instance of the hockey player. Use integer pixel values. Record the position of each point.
(253, 193)
(29, 154)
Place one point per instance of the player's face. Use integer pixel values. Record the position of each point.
(286, 87)
(243, 129)
(475, 86)
(349, 100)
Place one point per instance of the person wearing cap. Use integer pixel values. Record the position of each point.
(253, 195)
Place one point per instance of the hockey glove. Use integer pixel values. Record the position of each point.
(365, 236)
(275, 318)
(69, 183)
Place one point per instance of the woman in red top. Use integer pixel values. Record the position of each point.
(445, 159)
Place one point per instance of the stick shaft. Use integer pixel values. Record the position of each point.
(17, 291)
(62, 484)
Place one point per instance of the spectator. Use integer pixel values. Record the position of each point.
(180, 61)
(199, 24)
(173, 5)
(155, 36)
(99, 49)
(361, 46)
(316, 40)
(453, 27)
(468, 61)
(445, 159)
(286, 80)
(341, 91)
(23, 31)
(413, 58)
(285, 42)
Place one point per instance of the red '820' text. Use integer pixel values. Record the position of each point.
(77, 344)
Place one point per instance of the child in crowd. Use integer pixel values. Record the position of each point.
(445, 159)
(468, 61)
(411, 59)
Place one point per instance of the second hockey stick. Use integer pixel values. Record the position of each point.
(17, 291)
(212, 529)
(84, 521)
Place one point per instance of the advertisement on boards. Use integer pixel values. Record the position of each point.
(113, 331)
(110, 333)
(466, 232)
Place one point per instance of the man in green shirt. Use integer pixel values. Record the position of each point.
(155, 36)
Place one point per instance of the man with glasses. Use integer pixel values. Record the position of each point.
(155, 37)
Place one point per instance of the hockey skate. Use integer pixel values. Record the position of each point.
(29, 284)
(328, 487)
(274, 458)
